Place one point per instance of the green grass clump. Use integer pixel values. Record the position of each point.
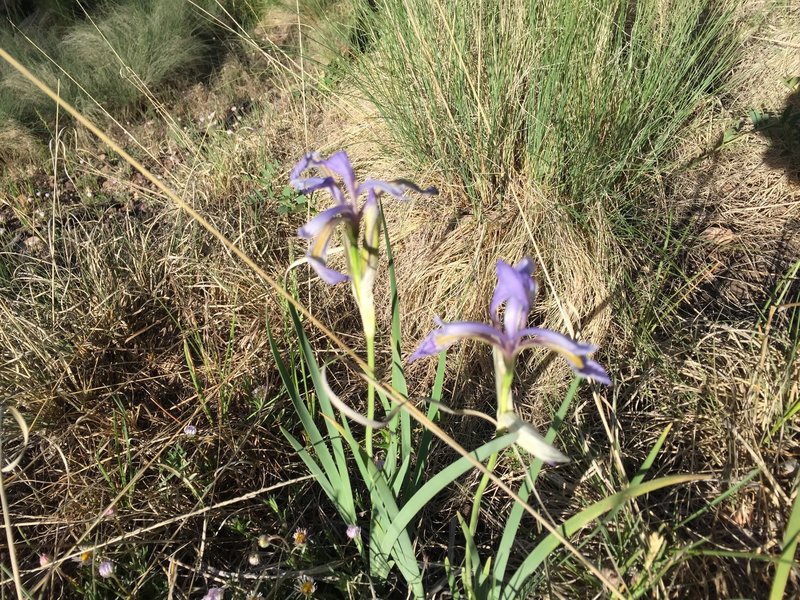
(585, 99)
(115, 59)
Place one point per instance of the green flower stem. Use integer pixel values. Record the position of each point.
(370, 390)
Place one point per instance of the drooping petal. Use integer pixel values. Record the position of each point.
(516, 289)
(396, 188)
(530, 439)
(450, 333)
(320, 230)
(327, 218)
(576, 353)
(325, 273)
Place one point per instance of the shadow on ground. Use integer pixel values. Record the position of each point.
(783, 133)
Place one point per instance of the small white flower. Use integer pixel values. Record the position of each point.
(300, 537)
(214, 593)
(106, 569)
(353, 531)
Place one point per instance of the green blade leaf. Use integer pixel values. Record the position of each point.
(543, 549)
(343, 487)
(398, 373)
(436, 484)
(787, 560)
(385, 513)
(314, 436)
(427, 436)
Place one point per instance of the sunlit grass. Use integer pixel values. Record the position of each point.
(123, 321)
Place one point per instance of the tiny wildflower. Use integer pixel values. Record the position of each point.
(300, 536)
(44, 560)
(353, 531)
(263, 540)
(214, 593)
(306, 586)
(106, 569)
(190, 430)
(84, 557)
(254, 559)
(109, 512)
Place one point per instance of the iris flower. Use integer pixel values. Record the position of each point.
(509, 335)
(361, 249)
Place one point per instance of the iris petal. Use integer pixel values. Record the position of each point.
(516, 288)
(311, 184)
(325, 273)
(450, 333)
(327, 218)
(340, 164)
(396, 188)
(576, 353)
(321, 229)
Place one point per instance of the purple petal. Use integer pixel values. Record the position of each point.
(320, 230)
(450, 333)
(305, 185)
(325, 273)
(575, 352)
(340, 164)
(396, 188)
(516, 288)
(327, 218)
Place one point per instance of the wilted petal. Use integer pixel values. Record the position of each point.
(449, 333)
(530, 439)
(576, 353)
(396, 188)
(516, 289)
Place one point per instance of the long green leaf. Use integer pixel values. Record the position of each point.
(314, 436)
(398, 373)
(344, 490)
(507, 542)
(787, 560)
(726, 494)
(383, 502)
(436, 484)
(472, 561)
(312, 465)
(651, 456)
(427, 436)
(543, 549)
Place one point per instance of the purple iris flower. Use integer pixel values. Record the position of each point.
(361, 258)
(515, 290)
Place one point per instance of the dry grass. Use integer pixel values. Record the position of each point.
(122, 322)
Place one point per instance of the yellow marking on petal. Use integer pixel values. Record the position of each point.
(318, 247)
